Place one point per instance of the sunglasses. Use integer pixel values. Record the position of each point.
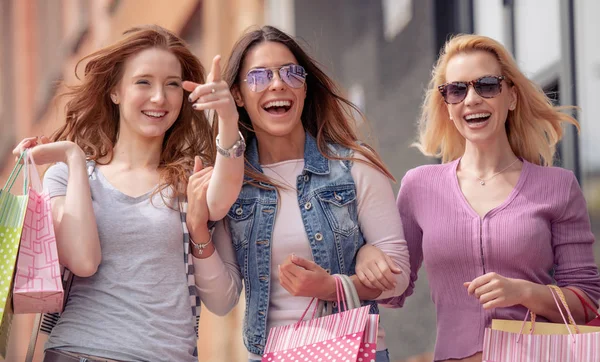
(292, 74)
(487, 87)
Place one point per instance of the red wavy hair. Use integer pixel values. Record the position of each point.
(92, 119)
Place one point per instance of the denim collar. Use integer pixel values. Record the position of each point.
(314, 161)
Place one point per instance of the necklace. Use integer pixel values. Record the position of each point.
(483, 181)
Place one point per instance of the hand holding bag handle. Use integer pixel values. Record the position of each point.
(351, 297)
(319, 308)
(350, 291)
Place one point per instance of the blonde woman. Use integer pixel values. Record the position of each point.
(493, 224)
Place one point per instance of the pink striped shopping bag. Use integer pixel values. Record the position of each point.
(548, 342)
(348, 336)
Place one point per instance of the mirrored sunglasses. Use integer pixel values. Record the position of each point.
(259, 78)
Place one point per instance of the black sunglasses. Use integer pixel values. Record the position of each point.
(488, 86)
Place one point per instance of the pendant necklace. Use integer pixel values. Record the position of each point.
(483, 181)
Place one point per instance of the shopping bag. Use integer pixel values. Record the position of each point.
(367, 349)
(506, 341)
(38, 283)
(12, 212)
(334, 337)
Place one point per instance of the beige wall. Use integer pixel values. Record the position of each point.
(210, 26)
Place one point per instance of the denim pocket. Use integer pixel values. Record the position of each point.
(339, 206)
(241, 219)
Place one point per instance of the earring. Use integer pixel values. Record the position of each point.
(512, 107)
(114, 99)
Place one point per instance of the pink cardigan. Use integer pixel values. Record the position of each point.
(541, 233)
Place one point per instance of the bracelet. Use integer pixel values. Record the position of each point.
(200, 247)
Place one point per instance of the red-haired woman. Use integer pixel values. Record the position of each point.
(124, 159)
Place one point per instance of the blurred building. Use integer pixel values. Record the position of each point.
(380, 52)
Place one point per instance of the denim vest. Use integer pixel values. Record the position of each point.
(328, 205)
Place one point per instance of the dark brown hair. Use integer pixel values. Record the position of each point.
(327, 115)
(92, 119)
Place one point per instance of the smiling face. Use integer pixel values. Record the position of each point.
(149, 93)
(479, 120)
(276, 110)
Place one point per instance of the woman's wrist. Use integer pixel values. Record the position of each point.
(528, 292)
(329, 289)
(198, 230)
(201, 245)
(228, 133)
(74, 155)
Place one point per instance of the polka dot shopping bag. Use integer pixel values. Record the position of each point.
(12, 213)
(347, 336)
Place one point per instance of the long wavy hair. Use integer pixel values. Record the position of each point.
(92, 119)
(533, 127)
(327, 115)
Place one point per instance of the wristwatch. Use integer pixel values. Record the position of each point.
(235, 151)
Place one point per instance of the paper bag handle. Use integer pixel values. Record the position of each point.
(555, 291)
(32, 177)
(563, 300)
(14, 173)
(339, 291)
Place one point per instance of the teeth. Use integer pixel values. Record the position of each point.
(154, 114)
(277, 104)
(477, 115)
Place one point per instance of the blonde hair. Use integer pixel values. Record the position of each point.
(533, 127)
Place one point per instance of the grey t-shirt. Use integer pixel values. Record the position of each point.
(136, 307)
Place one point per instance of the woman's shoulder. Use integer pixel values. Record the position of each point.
(63, 168)
(426, 174)
(550, 176)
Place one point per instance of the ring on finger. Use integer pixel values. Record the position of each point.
(213, 90)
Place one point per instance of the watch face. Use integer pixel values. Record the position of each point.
(239, 150)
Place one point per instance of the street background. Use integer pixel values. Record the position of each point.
(380, 51)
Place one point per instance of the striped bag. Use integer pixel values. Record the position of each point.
(350, 335)
(549, 342)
